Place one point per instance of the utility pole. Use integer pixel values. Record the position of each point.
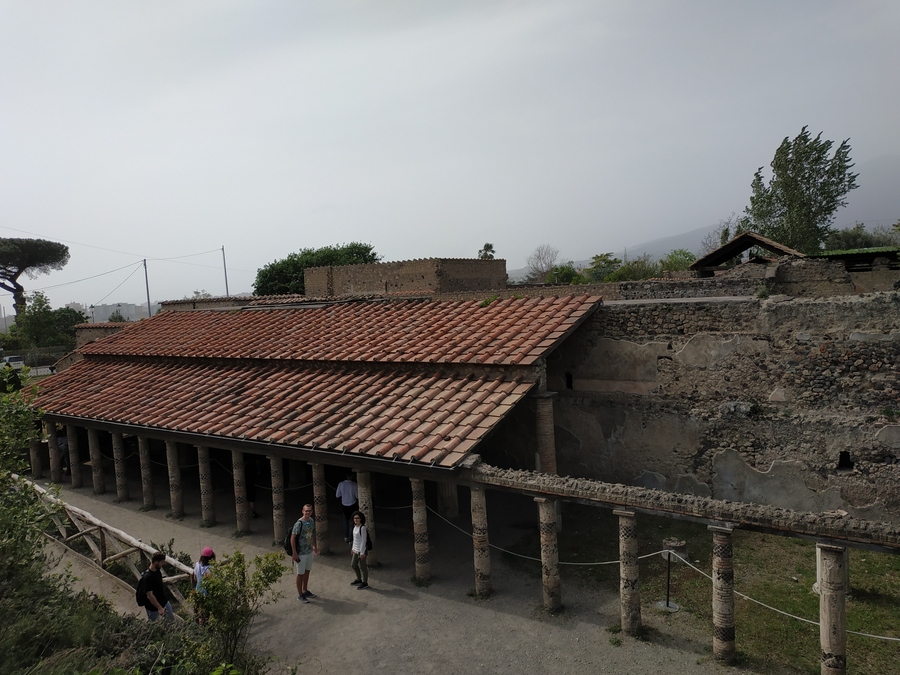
(224, 267)
(147, 284)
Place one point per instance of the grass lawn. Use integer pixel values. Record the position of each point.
(778, 571)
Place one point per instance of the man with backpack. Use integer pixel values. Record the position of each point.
(151, 591)
(303, 548)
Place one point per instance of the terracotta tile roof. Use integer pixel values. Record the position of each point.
(505, 332)
(428, 418)
(375, 379)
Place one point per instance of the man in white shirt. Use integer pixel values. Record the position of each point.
(348, 493)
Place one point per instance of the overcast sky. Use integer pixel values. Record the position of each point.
(133, 130)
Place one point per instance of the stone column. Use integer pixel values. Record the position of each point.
(448, 500)
(549, 554)
(176, 496)
(55, 456)
(364, 483)
(546, 440)
(630, 587)
(480, 543)
(420, 529)
(96, 462)
(832, 610)
(276, 466)
(118, 446)
(723, 594)
(74, 456)
(207, 502)
(241, 507)
(34, 452)
(146, 474)
(320, 507)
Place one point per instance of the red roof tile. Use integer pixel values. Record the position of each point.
(505, 332)
(341, 408)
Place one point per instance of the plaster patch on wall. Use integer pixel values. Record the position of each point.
(688, 484)
(782, 485)
(704, 351)
(651, 479)
(889, 436)
(619, 365)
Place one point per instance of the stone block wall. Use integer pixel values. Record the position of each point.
(432, 275)
(791, 402)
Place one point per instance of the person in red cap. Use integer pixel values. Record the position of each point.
(201, 569)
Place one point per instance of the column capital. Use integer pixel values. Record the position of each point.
(721, 529)
(546, 393)
(831, 548)
(623, 512)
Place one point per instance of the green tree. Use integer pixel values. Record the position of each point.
(601, 267)
(858, 237)
(564, 274)
(808, 185)
(40, 326)
(29, 257)
(486, 252)
(285, 276)
(116, 317)
(677, 260)
(636, 269)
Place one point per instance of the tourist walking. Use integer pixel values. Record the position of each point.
(358, 551)
(201, 569)
(303, 548)
(156, 600)
(348, 493)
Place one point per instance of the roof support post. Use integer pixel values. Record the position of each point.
(241, 507)
(74, 456)
(176, 495)
(118, 446)
(55, 455)
(549, 554)
(546, 440)
(629, 586)
(96, 462)
(320, 504)
(420, 529)
(832, 610)
(723, 594)
(147, 493)
(480, 544)
(448, 499)
(207, 503)
(34, 452)
(364, 483)
(276, 467)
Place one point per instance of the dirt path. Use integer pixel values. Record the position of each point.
(398, 627)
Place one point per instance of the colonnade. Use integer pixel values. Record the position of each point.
(832, 582)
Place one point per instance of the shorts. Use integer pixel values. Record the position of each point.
(303, 565)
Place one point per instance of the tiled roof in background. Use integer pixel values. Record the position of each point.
(427, 418)
(505, 332)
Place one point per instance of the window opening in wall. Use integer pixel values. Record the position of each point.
(844, 463)
(569, 381)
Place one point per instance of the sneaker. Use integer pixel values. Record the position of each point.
(302, 598)
(310, 594)
(362, 586)
(356, 582)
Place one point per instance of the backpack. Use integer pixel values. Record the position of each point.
(140, 594)
(369, 544)
(288, 549)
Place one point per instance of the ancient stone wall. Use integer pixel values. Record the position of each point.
(433, 275)
(794, 402)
